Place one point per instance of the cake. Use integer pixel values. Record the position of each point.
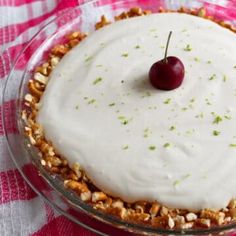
(168, 152)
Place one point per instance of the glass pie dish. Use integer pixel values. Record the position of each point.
(51, 187)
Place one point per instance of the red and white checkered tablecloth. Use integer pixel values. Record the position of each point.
(22, 212)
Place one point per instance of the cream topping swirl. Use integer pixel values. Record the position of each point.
(138, 143)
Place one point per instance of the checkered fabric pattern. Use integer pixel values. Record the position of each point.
(22, 212)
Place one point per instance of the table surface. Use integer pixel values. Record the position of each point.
(22, 212)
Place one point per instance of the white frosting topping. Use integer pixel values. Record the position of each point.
(139, 143)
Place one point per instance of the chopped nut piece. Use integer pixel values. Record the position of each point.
(171, 223)
(77, 186)
(179, 220)
(202, 12)
(203, 222)
(191, 217)
(40, 78)
(102, 22)
(28, 98)
(164, 211)
(86, 196)
(35, 91)
(76, 168)
(60, 50)
(216, 217)
(188, 225)
(154, 209)
(98, 196)
(120, 212)
(55, 61)
(118, 204)
(232, 204)
(160, 221)
(232, 213)
(142, 217)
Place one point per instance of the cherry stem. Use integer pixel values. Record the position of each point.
(167, 46)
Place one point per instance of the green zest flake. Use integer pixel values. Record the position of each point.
(232, 145)
(192, 100)
(88, 59)
(196, 59)
(235, 67)
(121, 117)
(85, 98)
(147, 94)
(98, 80)
(167, 101)
(125, 147)
(91, 101)
(123, 120)
(77, 107)
(99, 65)
(172, 128)
(186, 176)
(112, 104)
(224, 78)
(146, 132)
(153, 30)
(201, 115)
(216, 133)
(184, 109)
(209, 62)
(188, 48)
(166, 145)
(217, 120)
(212, 77)
(152, 147)
(207, 102)
(228, 117)
(125, 55)
(137, 47)
(176, 182)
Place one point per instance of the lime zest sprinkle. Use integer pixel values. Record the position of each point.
(232, 145)
(137, 47)
(188, 48)
(227, 117)
(91, 101)
(216, 133)
(125, 54)
(111, 104)
(88, 58)
(152, 147)
(98, 80)
(172, 128)
(225, 78)
(167, 101)
(217, 120)
(166, 145)
(212, 77)
(177, 182)
(125, 147)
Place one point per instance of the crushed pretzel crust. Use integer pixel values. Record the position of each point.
(75, 179)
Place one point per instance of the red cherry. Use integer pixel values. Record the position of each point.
(168, 73)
